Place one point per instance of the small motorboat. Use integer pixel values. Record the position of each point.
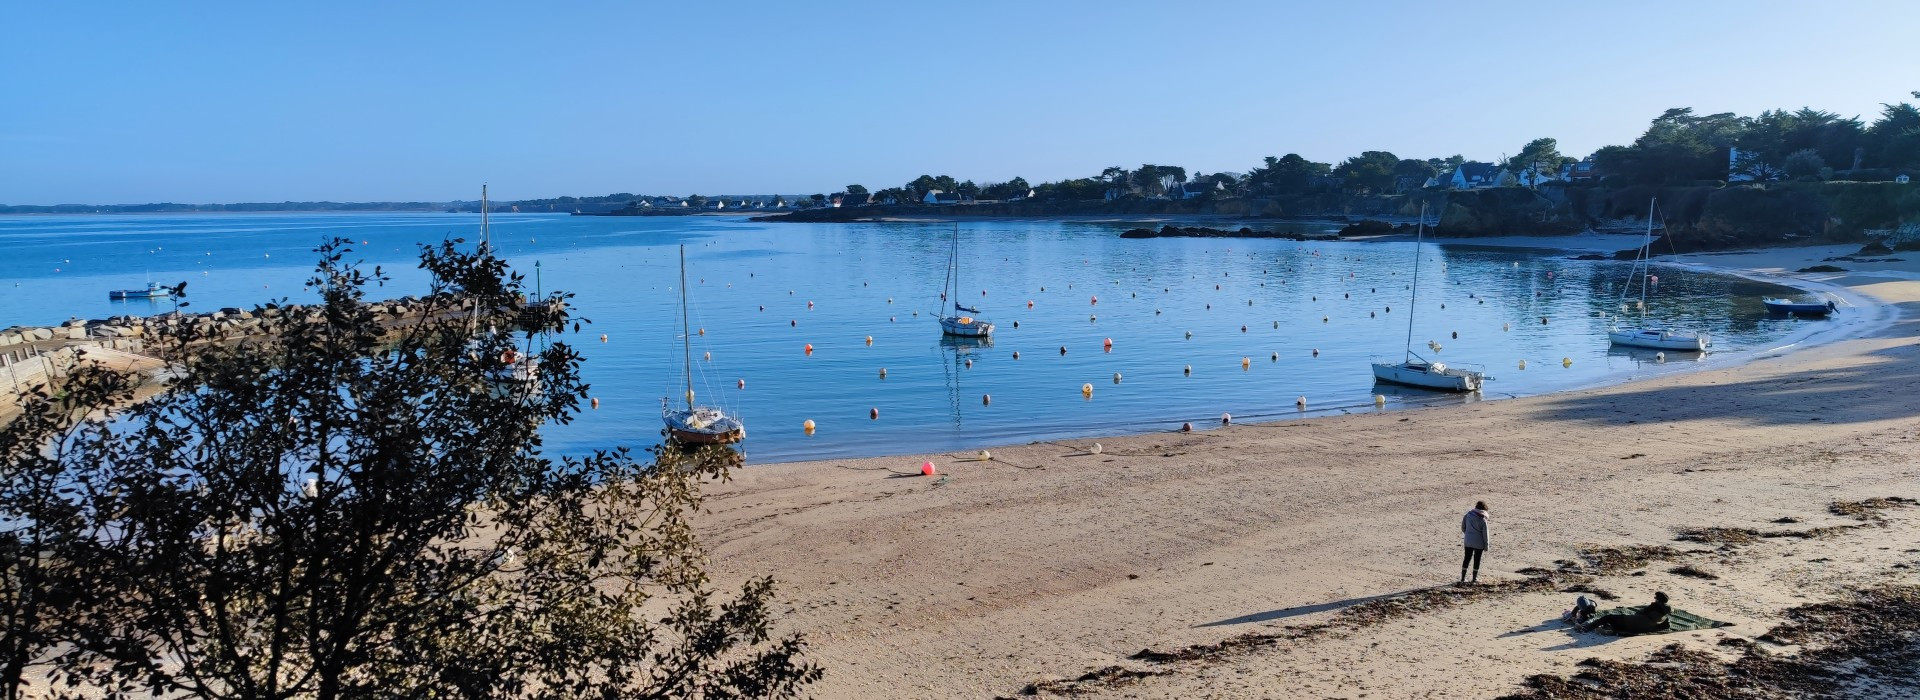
(1799, 308)
(153, 290)
(1661, 339)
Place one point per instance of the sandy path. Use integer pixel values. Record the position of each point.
(1050, 562)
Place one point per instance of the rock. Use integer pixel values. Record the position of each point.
(1367, 227)
(77, 333)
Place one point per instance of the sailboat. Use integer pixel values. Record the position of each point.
(696, 424)
(1645, 335)
(517, 369)
(951, 320)
(1412, 369)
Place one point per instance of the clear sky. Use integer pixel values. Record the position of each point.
(357, 101)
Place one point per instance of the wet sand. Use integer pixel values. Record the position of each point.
(1049, 562)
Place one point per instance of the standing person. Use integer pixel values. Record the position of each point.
(1473, 533)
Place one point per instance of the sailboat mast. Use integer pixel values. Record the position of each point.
(1413, 300)
(486, 232)
(686, 332)
(957, 265)
(1646, 258)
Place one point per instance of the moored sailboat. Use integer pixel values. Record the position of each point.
(1412, 369)
(696, 424)
(1646, 335)
(957, 321)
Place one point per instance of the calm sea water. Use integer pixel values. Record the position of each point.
(1166, 304)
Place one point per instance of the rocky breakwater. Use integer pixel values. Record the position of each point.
(131, 333)
(1171, 231)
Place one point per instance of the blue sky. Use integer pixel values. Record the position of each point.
(352, 101)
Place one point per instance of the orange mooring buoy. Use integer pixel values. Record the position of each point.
(809, 348)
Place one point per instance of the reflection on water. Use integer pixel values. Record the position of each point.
(1259, 322)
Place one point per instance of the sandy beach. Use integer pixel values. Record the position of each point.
(1315, 558)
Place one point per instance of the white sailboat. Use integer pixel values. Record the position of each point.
(696, 424)
(952, 322)
(516, 368)
(1412, 369)
(1647, 335)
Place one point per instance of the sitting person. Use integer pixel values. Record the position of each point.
(1652, 618)
(1583, 608)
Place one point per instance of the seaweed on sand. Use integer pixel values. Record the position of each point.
(1873, 635)
(1725, 536)
(1691, 570)
(1612, 560)
(1869, 509)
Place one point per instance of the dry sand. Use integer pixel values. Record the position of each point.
(1050, 562)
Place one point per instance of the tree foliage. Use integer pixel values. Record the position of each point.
(1804, 163)
(1542, 154)
(1369, 172)
(344, 505)
(1287, 174)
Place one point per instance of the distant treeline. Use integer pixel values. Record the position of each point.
(170, 207)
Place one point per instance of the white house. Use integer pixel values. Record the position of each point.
(932, 197)
(1534, 178)
(1189, 190)
(1472, 174)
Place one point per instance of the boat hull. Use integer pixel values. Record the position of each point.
(1660, 340)
(1425, 377)
(1797, 309)
(969, 328)
(703, 426)
(694, 437)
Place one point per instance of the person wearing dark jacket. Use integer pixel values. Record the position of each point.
(1652, 618)
(1473, 533)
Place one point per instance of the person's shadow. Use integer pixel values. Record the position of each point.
(1576, 639)
(1284, 613)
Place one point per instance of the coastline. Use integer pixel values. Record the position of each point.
(1050, 562)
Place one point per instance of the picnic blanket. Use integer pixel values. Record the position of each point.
(1678, 621)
